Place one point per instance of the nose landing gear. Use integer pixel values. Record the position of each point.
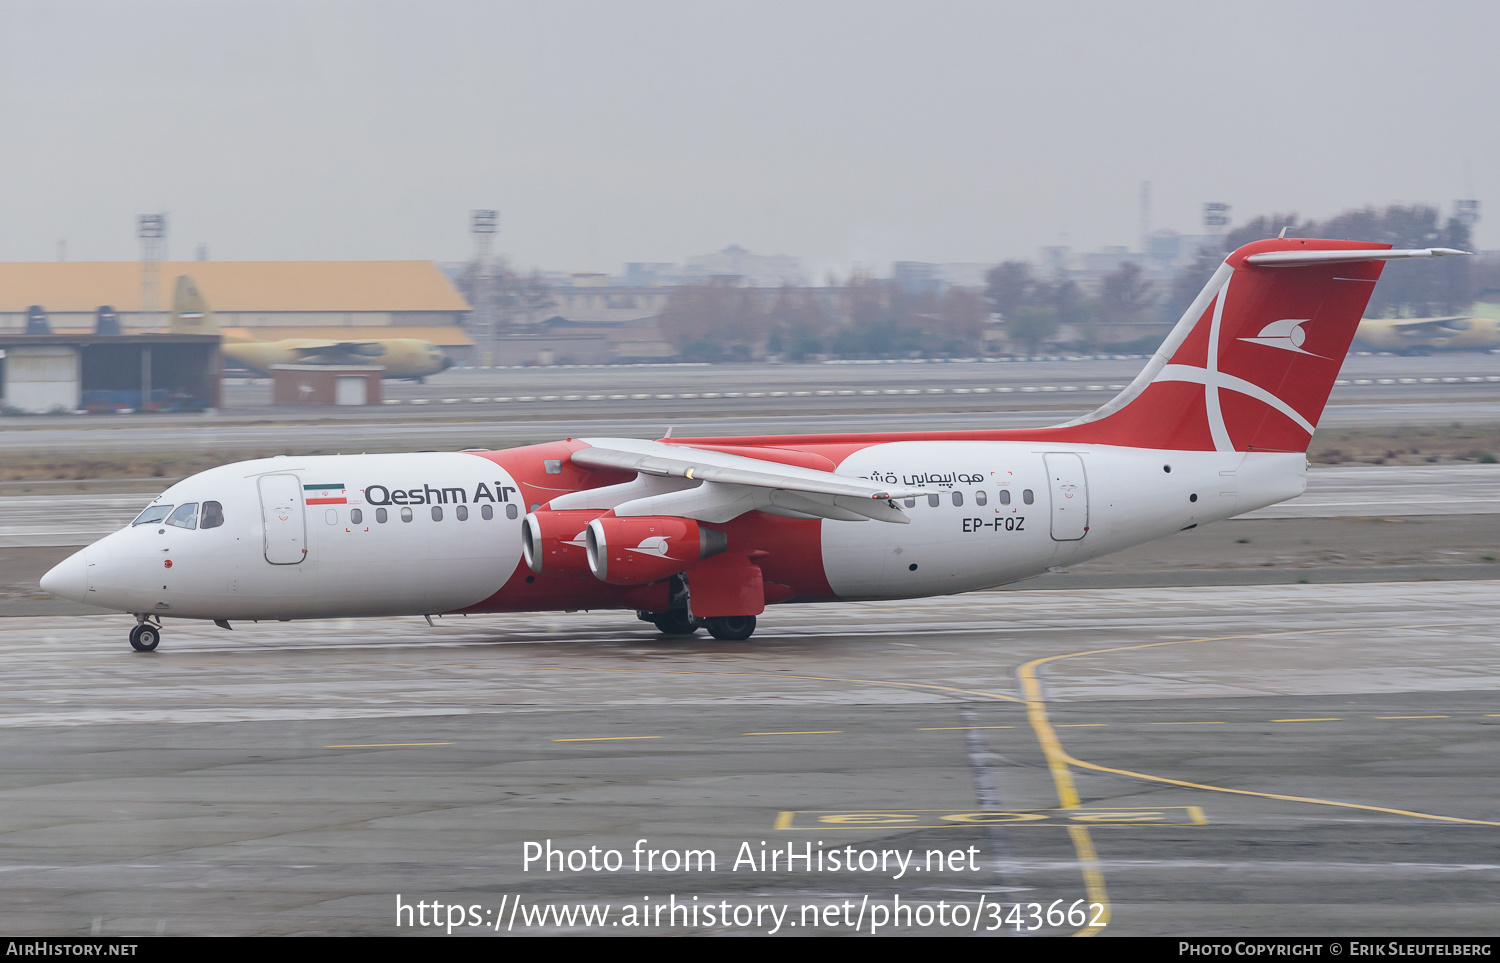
(146, 635)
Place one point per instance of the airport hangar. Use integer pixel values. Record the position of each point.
(52, 359)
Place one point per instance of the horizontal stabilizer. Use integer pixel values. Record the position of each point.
(1298, 258)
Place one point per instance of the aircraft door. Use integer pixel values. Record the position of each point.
(286, 526)
(1068, 486)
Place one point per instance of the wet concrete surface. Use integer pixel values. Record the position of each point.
(1293, 759)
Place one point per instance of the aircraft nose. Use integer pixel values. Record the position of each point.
(68, 579)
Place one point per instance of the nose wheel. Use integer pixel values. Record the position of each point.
(145, 637)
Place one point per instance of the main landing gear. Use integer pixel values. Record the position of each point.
(678, 620)
(675, 622)
(725, 628)
(146, 635)
(731, 628)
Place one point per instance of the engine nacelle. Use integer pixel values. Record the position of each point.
(636, 551)
(553, 542)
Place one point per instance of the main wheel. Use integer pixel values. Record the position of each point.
(675, 622)
(731, 628)
(145, 637)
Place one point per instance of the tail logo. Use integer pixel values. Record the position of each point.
(1278, 334)
(1286, 334)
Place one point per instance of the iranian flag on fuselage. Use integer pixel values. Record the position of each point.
(331, 494)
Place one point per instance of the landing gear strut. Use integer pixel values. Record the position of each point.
(146, 636)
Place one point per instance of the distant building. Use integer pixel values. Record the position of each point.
(1167, 253)
(755, 270)
(917, 277)
(608, 303)
(262, 299)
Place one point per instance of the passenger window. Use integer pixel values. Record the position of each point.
(486, 512)
(911, 503)
(356, 516)
(213, 515)
(1005, 496)
(152, 515)
(437, 513)
(406, 514)
(1027, 497)
(381, 515)
(958, 499)
(980, 497)
(186, 516)
(331, 516)
(933, 500)
(510, 511)
(462, 512)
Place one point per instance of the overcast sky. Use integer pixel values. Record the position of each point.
(842, 133)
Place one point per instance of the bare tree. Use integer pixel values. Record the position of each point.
(517, 299)
(1125, 295)
(1008, 286)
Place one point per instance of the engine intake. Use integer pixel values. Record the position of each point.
(637, 551)
(553, 542)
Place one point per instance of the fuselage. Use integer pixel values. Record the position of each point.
(401, 357)
(429, 533)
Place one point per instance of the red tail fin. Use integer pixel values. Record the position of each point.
(1250, 365)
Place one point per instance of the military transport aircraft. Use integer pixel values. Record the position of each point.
(709, 531)
(1425, 335)
(409, 358)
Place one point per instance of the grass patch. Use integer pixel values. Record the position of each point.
(1405, 445)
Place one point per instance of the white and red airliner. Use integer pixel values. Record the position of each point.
(709, 531)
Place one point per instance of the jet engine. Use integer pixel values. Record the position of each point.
(636, 551)
(553, 542)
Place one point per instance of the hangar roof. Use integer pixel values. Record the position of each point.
(66, 286)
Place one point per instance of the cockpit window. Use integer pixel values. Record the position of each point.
(153, 514)
(186, 516)
(213, 515)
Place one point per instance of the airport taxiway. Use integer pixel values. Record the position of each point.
(1231, 761)
(1146, 733)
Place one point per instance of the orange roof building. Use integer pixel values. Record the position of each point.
(242, 294)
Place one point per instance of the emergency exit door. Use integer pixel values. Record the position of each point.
(1068, 486)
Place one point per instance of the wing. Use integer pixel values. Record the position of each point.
(715, 486)
(340, 351)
